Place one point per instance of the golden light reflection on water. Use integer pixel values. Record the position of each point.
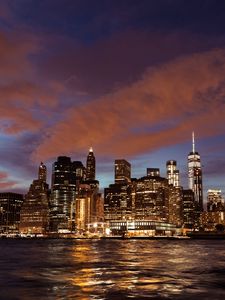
(115, 269)
(124, 273)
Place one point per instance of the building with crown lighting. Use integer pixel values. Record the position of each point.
(195, 179)
(90, 165)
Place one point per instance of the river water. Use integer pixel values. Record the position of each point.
(112, 269)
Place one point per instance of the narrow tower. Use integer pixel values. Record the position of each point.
(42, 172)
(90, 172)
(172, 173)
(195, 175)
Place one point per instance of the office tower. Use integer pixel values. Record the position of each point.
(80, 171)
(175, 205)
(195, 176)
(151, 197)
(118, 201)
(89, 207)
(122, 171)
(172, 173)
(42, 172)
(189, 214)
(153, 172)
(90, 166)
(215, 201)
(34, 216)
(63, 192)
(10, 206)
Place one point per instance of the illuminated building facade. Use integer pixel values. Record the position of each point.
(89, 206)
(122, 171)
(175, 205)
(209, 219)
(34, 216)
(189, 210)
(63, 192)
(142, 228)
(195, 176)
(172, 173)
(215, 201)
(90, 165)
(118, 201)
(153, 172)
(10, 206)
(151, 197)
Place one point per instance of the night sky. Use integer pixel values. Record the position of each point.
(132, 79)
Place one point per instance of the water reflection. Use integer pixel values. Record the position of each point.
(112, 269)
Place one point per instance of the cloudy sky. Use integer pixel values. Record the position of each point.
(130, 78)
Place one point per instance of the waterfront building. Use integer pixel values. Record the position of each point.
(34, 216)
(152, 197)
(142, 228)
(118, 201)
(63, 192)
(122, 171)
(195, 176)
(189, 210)
(209, 219)
(89, 206)
(172, 173)
(90, 165)
(10, 206)
(215, 201)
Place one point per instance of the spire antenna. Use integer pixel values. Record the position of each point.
(193, 142)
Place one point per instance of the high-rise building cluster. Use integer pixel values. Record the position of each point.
(151, 204)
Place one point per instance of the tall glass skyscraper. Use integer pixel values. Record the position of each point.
(63, 192)
(195, 175)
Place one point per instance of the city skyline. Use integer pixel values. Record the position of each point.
(130, 79)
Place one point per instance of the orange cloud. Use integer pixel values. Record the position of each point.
(5, 183)
(21, 91)
(160, 109)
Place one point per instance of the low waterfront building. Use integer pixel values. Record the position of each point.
(10, 206)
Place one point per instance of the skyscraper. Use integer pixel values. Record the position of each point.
(172, 173)
(63, 192)
(122, 171)
(90, 166)
(10, 206)
(34, 216)
(215, 201)
(42, 172)
(195, 175)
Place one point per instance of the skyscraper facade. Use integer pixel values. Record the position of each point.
(122, 171)
(172, 173)
(63, 192)
(188, 209)
(10, 207)
(34, 216)
(215, 201)
(195, 176)
(42, 172)
(151, 197)
(90, 165)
